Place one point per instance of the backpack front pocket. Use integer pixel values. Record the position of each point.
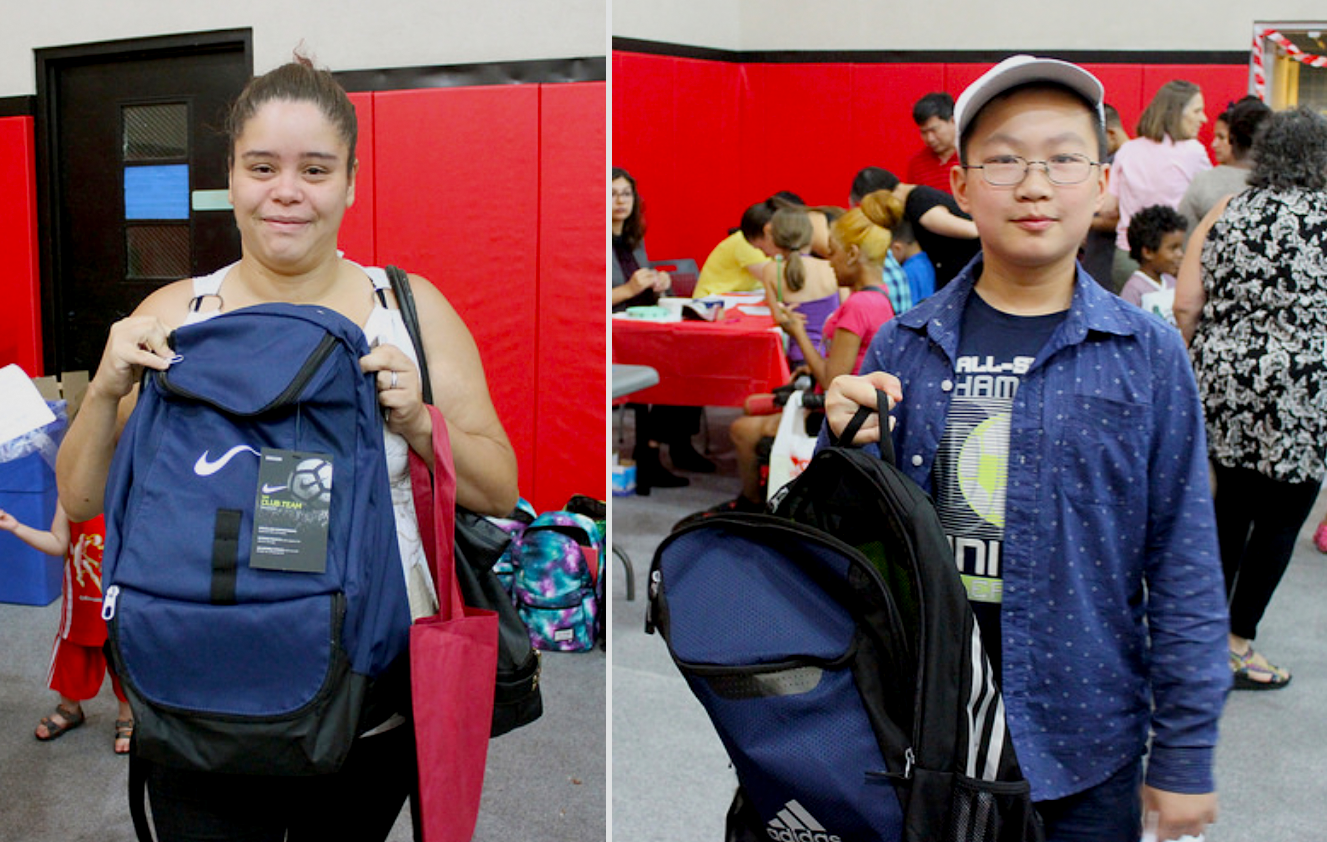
(261, 660)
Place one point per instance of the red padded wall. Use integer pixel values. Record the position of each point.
(1124, 90)
(803, 127)
(794, 126)
(20, 317)
(457, 173)
(882, 132)
(705, 192)
(356, 236)
(685, 176)
(569, 387)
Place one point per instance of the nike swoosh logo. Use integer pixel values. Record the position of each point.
(272, 489)
(206, 468)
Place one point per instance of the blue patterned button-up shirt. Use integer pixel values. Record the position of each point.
(1114, 618)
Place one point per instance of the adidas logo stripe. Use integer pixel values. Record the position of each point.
(795, 824)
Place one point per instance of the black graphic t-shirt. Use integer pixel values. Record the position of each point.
(970, 473)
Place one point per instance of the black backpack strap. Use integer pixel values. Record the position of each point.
(405, 299)
(138, 770)
(859, 418)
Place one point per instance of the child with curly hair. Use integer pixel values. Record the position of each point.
(1156, 241)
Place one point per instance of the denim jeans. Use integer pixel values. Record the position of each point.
(1111, 811)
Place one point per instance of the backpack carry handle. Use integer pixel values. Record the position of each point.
(859, 419)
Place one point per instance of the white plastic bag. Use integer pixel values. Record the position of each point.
(793, 448)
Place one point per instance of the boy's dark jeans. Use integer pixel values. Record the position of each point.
(1111, 811)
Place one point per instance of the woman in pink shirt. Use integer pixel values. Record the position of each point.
(1156, 167)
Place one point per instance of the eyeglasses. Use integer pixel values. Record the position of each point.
(623, 194)
(1009, 170)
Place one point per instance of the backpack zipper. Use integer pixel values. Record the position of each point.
(108, 603)
(296, 386)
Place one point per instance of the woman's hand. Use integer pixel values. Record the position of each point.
(400, 392)
(849, 392)
(788, 318)
(643, 279)
(133, 344)
(7, 521)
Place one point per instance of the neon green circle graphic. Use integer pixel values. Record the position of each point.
(983, 468)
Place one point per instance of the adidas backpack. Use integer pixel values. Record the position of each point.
(253, 582)
(557, 584)
(833, 647)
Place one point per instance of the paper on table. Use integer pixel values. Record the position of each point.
(753, 310)
(22, 408)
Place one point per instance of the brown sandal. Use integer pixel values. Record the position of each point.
(72, 719)
(124, 730)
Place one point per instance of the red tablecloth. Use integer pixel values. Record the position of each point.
(703, 363)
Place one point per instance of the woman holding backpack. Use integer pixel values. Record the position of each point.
(293, 134)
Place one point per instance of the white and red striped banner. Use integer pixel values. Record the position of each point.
(1261, 35)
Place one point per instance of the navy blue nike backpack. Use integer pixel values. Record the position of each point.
(254, 591)
(833, 647)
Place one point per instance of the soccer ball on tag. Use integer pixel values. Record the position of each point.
(311, 481)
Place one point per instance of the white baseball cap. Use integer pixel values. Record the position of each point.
(1020, 70)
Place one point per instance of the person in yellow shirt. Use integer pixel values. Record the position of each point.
(735, 264)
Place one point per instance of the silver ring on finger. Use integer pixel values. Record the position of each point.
(393, 384)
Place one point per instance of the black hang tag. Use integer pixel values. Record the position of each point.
(291, 512)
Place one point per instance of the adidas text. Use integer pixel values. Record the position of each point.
(786, 835)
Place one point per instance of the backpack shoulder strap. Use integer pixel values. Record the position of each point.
(208, 286)
(405, 299)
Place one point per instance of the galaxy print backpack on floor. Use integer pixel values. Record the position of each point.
(557, 582)
(833, 647)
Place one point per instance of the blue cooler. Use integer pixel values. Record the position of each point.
(27, 491)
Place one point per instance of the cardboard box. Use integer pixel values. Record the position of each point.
(69, 386)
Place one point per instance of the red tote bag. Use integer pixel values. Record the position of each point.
(453, 664)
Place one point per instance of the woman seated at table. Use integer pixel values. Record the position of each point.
(858, 245)
(798, 280)
(635, 283)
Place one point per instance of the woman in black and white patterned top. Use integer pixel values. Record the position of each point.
(1260, 355)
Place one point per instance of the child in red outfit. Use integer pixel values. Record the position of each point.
(78, 663)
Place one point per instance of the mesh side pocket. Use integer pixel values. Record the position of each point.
(992, 811)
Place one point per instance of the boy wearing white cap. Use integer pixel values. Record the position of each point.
(1059, 431)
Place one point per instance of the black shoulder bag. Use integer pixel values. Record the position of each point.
(479, 544)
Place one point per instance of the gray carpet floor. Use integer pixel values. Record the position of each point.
(671, 779)
(545, 782)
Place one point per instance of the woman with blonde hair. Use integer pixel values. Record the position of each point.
(858, 247)
(1156, 167)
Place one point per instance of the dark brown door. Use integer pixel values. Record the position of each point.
(134, 178)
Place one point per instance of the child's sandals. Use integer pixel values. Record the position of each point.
(72, 719)
(1256, 676)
